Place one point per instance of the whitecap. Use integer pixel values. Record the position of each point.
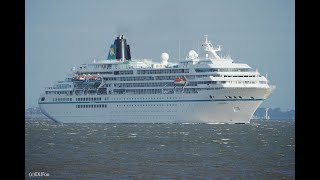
(184, 133)
(72, 133)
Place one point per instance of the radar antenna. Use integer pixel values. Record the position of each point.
(208, 47)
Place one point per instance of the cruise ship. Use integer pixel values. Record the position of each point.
(121, 89)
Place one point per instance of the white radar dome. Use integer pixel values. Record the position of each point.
(192, 54)
(164, 56)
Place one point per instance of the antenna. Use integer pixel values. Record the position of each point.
(206, 36)
(219, 48)
(179, 49)
(198, 47)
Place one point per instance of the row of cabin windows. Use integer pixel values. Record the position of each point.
(150, 78)
(107, 98)
(161, 84)
(157, 71)
(62, 86)
(89, 99)
(122, 72)
(235, 97)
(91, 106)
(143, 78)
(151, 98)
(147, 78)
(139, 78)
(61, 99)
(230, 97)
(154, 84)
(241, 82)
(105, 72)
(207, 75)
(202, 70)
(160, 91)
(99, 99)
(149, 117)
(190, 83)
(148, 105)
(163, 71)
(59, 92)
(239, 76)
(137, 91)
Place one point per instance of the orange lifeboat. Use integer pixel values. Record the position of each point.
(180, 81)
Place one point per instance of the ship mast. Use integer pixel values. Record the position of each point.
(208, 47)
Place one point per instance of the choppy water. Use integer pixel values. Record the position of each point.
(260, 150)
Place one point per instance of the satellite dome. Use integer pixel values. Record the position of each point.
(164, 56)
(192, 54)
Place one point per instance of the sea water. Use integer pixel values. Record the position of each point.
(259, 150)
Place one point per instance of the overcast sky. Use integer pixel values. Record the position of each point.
(61, 34)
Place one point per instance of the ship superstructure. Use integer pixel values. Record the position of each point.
(120, 89)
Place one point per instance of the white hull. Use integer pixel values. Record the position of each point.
(162, 108)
